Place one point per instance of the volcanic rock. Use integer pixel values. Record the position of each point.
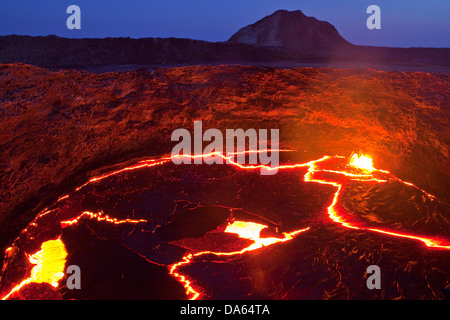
(59, 128)
(293, 30)
(284, 39)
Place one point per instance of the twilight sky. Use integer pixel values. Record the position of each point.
(404, 23)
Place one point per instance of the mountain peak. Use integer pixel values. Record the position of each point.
(293, 30)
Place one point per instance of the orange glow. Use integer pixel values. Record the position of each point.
(99, 217)
(49, 265)
(245, 230)
(250, 230)
(432, 243)
(142, 164)
(157, 162)
(362, 162)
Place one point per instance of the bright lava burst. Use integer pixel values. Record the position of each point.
(49, 265)
(362, 162)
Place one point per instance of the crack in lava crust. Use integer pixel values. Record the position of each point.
(251, 231)
(332, 210)
(245, 230)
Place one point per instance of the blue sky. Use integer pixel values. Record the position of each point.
(404, 23)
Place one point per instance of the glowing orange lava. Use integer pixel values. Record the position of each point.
(50, 260)
(49, 265)
(52, 255)
(100, 216)
(362, 162)
(245, 230)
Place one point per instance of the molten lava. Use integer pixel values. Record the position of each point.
(49, 265)
(49, 261)
(245, 230)
(99, 217)
(362, 162)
